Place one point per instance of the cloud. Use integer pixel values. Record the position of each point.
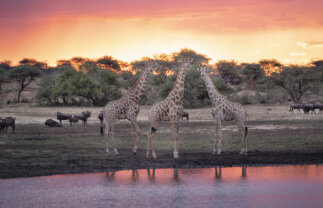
(310, 44)
(297, 53)
(204, 15)
(257, 51)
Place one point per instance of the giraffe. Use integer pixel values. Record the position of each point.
(170, 108)
(224, 110)
(126, 107)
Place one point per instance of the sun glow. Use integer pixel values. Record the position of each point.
(218, 29)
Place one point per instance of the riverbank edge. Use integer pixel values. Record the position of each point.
(46, 167)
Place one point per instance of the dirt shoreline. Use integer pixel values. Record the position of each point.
(126, 160)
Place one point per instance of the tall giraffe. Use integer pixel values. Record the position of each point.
(170, 108)
(224, 110)
(126, 108)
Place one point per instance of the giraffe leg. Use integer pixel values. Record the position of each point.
(153, 149)
(151, 137)
(135, 139)
(112, 140)
(149, 144)
(107, 135)
(215, 147)
(175, 127)
(243, 131)
(217, 138)
(132, 137)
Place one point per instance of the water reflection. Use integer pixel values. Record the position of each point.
(275, 186)
(168, 175)
(218, 172)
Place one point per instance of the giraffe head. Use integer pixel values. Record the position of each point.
(203, 70)
(186, 62)
(150, 65)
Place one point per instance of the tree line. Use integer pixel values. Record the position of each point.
(95, 82)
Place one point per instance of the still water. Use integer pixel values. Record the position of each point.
(274, 186)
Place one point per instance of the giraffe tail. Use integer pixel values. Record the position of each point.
(101, 127)
(101, 130)
(245, 131)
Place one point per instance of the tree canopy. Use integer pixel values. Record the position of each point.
(253, 73)
(296, 80)
(229, 71)
(24, 75)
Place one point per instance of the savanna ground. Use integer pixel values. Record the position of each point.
(275, 137)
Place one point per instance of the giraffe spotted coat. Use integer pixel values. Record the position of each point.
(126, 107)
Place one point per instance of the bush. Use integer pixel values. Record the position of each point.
(245, 100)
(24, 100)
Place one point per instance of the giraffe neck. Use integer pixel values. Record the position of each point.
(139, 88)
(214, 94)
(178, 88)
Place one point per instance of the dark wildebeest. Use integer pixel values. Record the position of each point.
(63, 116)
(73, 119)
(319, 107)
(52, 123)
(297, 106)
(83, 116)
(6, 122)
(308, 107)
(186, 115)
(100, 117)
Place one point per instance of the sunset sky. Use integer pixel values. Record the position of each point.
(290, 31)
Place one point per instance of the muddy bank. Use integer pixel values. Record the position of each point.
(30, 167)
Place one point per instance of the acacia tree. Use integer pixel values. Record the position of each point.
(198, 59)
(5, 64)
(195, 94)
(319, 67)
(107, 62)
(296, 80)
(33, 62)
(24, 75)
(229, 71)
(2, 78)
(253, 73)
(270, 66)
(46, 85)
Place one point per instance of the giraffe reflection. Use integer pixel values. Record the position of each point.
(243, 172)
(151, 176)
(174, 175)
(110, 174)
(218, 172)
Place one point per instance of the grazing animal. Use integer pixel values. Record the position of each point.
(297, 106)
(52, 123)
(319, 107)
(6, 122)
(127, 107)
(100, 117)
(307, 108)
(224, 110)
(83, 116)
(73, 119)
(170, 108)
(186, 115)
(62, 116)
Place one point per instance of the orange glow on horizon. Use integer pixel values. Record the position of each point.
(289, 31)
